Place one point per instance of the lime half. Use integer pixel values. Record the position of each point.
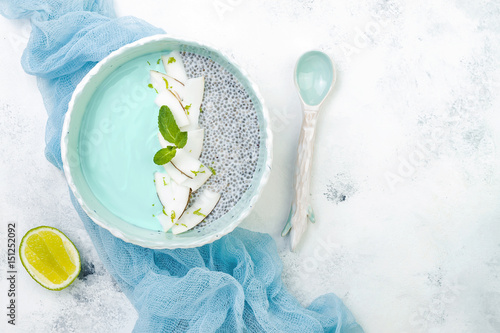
(50, 257)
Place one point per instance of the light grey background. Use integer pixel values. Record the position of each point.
(406, 173)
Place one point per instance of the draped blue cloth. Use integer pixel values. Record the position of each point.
(231, 285)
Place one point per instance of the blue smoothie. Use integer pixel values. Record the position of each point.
(117, 142)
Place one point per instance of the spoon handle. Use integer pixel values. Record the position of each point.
(300, 205)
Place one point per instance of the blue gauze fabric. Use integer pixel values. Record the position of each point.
(232, 285)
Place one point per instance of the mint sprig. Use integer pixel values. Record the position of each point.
(170, 132)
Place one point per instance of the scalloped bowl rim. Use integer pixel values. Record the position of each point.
(171, 243)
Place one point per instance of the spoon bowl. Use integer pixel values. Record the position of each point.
(314, 77)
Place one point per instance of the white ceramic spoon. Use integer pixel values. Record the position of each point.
(314, 78)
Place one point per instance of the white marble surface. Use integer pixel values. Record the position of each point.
(406, 174)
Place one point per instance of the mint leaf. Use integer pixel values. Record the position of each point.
(171, 60)
(181, 139)
(169, 129)
(167, 125)
(163, 156)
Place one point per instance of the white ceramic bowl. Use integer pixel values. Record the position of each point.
(102, 215)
